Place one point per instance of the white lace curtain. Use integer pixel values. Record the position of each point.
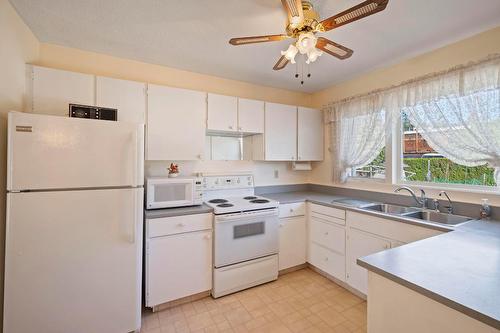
(456, 111)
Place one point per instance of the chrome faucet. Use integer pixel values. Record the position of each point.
(450, 207)
(423, 199)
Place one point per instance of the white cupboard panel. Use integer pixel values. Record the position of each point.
(178, 266)
(360, 244)
(292, 251)
(52, 90)
(250, 116)
(129, 97)
(292, 209)
(175, 124)
(178, 224)
(309, 134)
(281, 132)
(222, 113)
(329, 235)
(328, 261)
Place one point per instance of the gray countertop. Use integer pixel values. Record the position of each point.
(459, 268)
(168, 212)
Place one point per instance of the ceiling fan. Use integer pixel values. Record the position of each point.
(303, 24)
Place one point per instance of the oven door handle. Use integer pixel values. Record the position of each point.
(239, 216)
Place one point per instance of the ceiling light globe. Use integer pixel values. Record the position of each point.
(290, 53)
(306, 42)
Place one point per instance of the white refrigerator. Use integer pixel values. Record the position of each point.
(73, 256)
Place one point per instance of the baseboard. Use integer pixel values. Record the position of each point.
(292, 269)
(180, 301)
(337, 281)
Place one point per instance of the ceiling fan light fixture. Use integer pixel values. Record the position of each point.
(306, 42)
(312, 55)
(290, 53)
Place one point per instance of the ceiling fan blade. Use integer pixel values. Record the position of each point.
(256, 39)
(334, 49)
(364, 9)
(281, 63)
(294, 11)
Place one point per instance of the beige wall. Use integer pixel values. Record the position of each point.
(462, 52)
(17, 46)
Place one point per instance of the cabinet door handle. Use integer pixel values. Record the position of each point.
(208, 236)
(291, 210)
(281, 225)
(326, 258)
(326, 233)
(240, 128)
(230, 127)
(180, 225)
(199, 156)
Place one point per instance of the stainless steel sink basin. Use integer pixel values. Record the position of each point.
(391, 209)
(436, 217)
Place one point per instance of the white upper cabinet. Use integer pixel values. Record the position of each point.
(50, 91)
(309, 134)
(175, 124)
(250, 116)
(129, 97)
(280, 138)
(222, 113)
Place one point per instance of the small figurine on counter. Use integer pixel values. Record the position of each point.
(173, 170)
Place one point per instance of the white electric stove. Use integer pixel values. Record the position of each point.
(246, 239)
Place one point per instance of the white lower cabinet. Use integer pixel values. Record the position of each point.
(177, 264)
(292, 242)
(327, 240)
(293, 235)
(360, 244)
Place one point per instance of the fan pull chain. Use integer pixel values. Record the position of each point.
(302, 73)
(296, 70)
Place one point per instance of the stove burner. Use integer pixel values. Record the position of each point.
(259, 201)
(217, 201)
(250, 198)
(224, 205)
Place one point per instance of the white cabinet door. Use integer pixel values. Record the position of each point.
(250, 116)
(292, 250)
(222, 113)
(309, 134)
(52, 90)
(129, 97)
(281, 132)
(176, 123)
(178, 266)
(360, 244)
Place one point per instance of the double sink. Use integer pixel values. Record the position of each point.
(418, 214)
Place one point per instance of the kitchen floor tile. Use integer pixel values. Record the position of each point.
(301, 301)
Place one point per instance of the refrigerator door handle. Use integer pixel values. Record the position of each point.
(136, 153)
(137, 217)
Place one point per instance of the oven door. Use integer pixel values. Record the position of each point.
(165, 193)
(245, 236)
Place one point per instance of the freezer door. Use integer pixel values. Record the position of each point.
(50, 152)
(73, 261)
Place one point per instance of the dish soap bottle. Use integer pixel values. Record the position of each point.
(485, 209)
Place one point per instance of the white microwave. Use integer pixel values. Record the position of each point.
(163, 192)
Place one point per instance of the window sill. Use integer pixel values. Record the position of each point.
(454, 187)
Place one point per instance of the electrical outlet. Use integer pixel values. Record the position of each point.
(276, 174)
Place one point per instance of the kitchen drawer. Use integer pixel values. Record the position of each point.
(328, 211)
(328, 261)
(178, 224)
(292, 209)
(326, 218)
(329, 235)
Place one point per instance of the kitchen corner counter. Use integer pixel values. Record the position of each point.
(460, 269)
(179, 211)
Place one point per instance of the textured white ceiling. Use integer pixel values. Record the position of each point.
(193, 34)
